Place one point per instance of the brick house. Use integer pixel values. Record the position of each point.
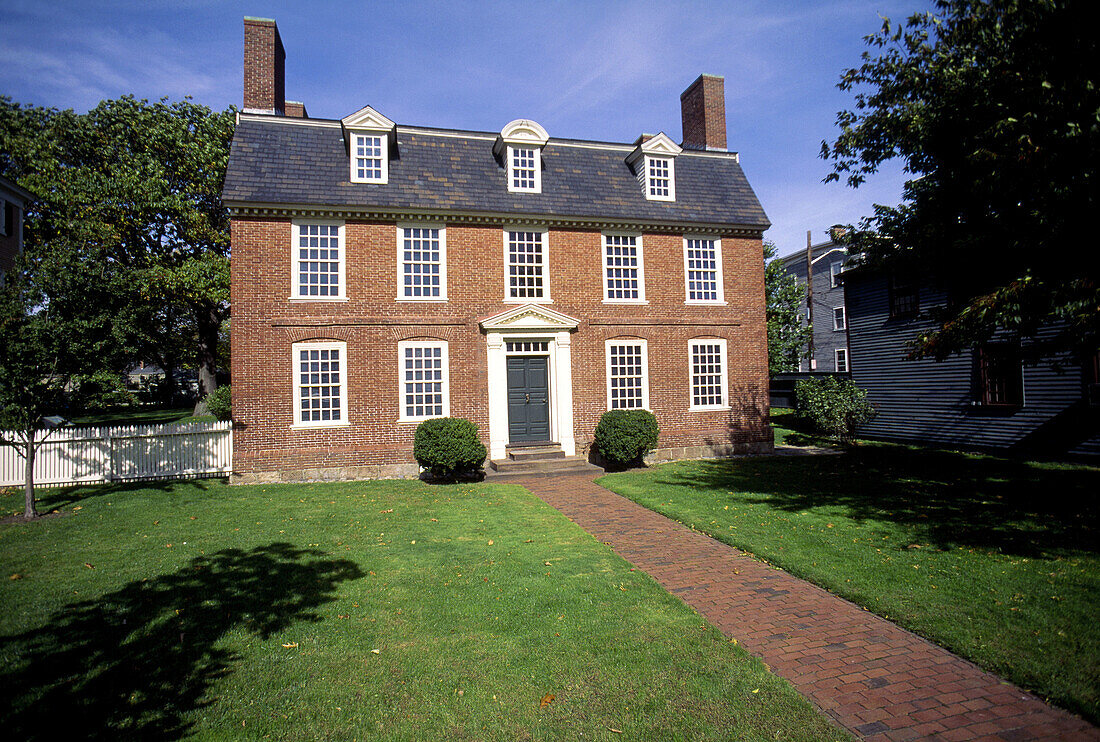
(383, 274)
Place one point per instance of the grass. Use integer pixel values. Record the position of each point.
(790, 431)
(141, 416)
(992, 558)
(383, 610)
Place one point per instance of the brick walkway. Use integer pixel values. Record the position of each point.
(878, 681)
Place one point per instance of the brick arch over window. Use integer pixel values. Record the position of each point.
(316, 334)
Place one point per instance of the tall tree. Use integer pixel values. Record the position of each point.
(783, 294)
(129, 237)
(993, 109)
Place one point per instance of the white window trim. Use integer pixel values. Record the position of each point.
(296, 349)
(536, 151)
(644, 345)
(836, 360)
(721, 342)
(671, 178)
(721, 300)
(641, 268)
(385, 154)
(834, 272)
(295, 271)
(843, 325)
(545, 299)
(401, 346)
(401, 227)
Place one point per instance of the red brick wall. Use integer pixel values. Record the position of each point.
(265, 325)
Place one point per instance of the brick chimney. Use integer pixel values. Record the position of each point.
(264, 63)
(703, 111)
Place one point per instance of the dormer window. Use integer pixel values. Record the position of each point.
(369, 135)
(654, 163)
(519, 147)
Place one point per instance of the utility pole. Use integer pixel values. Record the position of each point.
(810, 296)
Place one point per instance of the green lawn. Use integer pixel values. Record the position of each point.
(992, 558)
(141, 416)
(384, 610)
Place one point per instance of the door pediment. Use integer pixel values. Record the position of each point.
(529, 317)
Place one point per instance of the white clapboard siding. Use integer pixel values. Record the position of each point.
(125, 452)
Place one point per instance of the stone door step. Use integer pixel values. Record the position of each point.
(554, 465)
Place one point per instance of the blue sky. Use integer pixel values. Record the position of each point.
(586, 70)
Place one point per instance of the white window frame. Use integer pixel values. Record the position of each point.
(671, 162)
(604, 237)
(721, 343)
(5, 229)
(536, 154)
(401, 227)
(296, 350)
(839, 353)
(295, 261)
(384, 147)
(402, 416)
(843, 323)
(720, 282)
(835, 269)
(638, 343)
(545, 298)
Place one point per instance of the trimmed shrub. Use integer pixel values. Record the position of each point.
(448, 447)
(834, 406)
(217, 403)
(623, 437)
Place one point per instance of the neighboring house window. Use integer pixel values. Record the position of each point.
(1000, 376)
(841, 360)
(320, 389)
(525, 258)
(622, 268)
(318, 261)
(7, 218)
(369, 158)
(904, 297)
(835, 269)
(627, 375)
(660, 182)
(708, 374)
(422, 263)
(524, 169)
(839, 322)
(425, 389)
(703, 270)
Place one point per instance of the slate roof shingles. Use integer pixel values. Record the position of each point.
(276, 163)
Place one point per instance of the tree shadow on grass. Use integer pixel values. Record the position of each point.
(133, 663)
(944, 498)
(54, 498)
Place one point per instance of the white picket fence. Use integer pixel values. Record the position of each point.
(80, 455)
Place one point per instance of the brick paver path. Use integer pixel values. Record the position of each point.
(878, 681)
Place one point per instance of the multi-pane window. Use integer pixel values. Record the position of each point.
(839, 321)
(708, 373)
(840, 356)
(703, 270)
(523, 169)
(904, 297)
(659, 178)
(424, 391)
(319, 261)
(526, 261)
(423, 263)
(622, 263)
(1000, 379)
(320, 378)
(527, 346)
(627, 375)
(835, 269)
(368, 159)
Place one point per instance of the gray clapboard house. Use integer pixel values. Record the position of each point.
(985, 399)
(830, 315)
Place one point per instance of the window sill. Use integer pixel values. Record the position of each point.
(314, 300)
(421, 300)
(698, 303)
(635, 302)
(320, 426)
(709, 408)
(528, 301)
(994, 410)
(417, 420)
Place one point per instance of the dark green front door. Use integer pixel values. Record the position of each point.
(528, 399)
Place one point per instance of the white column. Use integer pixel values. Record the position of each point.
(563, 371)
(498, 395)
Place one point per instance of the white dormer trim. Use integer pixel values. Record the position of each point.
(370, 129)
(519, 147)
(654, 163)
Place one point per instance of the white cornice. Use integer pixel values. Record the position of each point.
(367, 119)
(529, 317)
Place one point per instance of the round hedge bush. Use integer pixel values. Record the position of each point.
(623, 437)
(448, 447)
(218, 404)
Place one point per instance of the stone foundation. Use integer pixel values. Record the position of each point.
(329, 474)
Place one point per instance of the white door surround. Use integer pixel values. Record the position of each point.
(530, 322)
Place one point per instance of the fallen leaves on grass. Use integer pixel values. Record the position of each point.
(546, 700)
(290, 645)
(89, 566)
(16, 576)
